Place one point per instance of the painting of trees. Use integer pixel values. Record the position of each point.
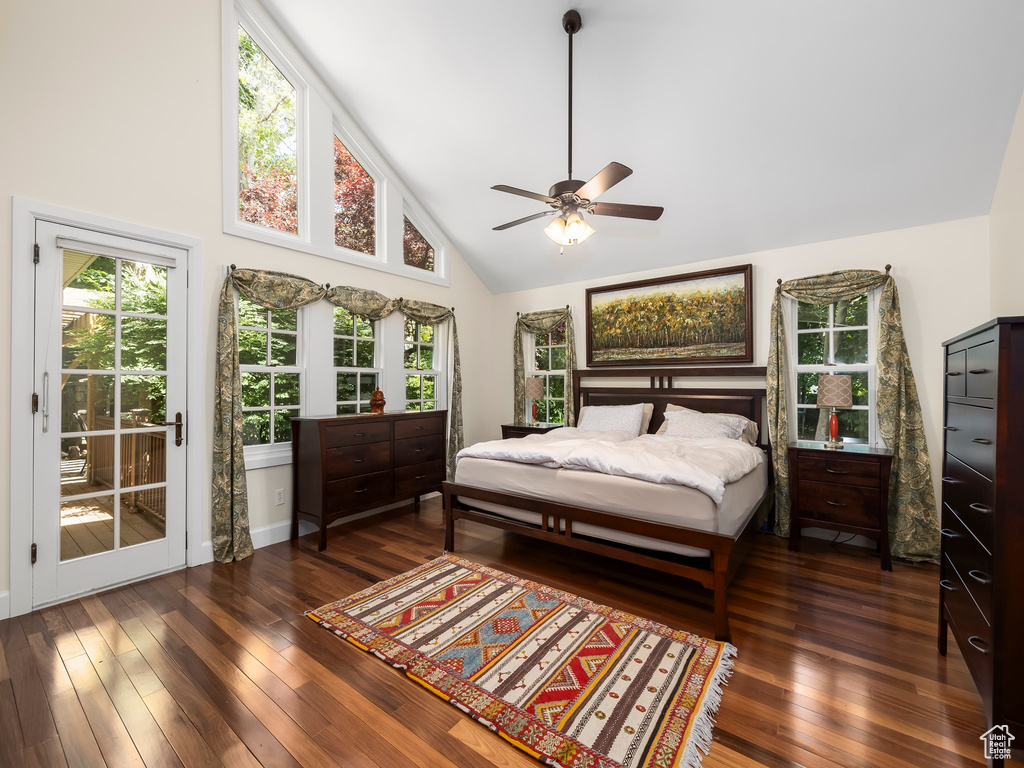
(686, 318)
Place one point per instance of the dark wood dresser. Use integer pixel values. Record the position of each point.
(347, 464)
(981, 595)
(842, 490)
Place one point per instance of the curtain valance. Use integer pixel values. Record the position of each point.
(544, 321)
(913, 516)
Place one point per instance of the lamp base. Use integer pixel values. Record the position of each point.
(836, 446)
(834, 443)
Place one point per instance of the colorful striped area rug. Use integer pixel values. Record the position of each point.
(571, 682)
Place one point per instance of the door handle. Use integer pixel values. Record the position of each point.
(46, 401)
(177, 424)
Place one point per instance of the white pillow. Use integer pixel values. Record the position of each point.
(612, 418)
(750, 429)
(700, 425)
(648, 414)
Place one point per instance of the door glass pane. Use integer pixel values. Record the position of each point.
(143, 344)
(88, 280)
(86, 402)
(143, 516)
(143, 400)
(86, 464)
(86, 527)
(143, 458)
(143, 288)
(88, 340)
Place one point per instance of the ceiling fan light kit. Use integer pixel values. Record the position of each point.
(570, 198)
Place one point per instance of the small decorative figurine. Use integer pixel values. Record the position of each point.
(377, 401)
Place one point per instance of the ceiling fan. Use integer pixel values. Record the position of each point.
(569, 198)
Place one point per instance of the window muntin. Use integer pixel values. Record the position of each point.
(835, 338)
(416, 250)
(550, 363)
(421, 367)
(267, 146)
(268, 348)
(355, 203)
(355, 361)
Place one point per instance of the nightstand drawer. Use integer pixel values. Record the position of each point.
(829, 470)
(842, 504)
(972, 562)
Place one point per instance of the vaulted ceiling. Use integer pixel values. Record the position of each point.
(755, 124)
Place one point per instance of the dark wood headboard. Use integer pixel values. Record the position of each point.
(743, 401)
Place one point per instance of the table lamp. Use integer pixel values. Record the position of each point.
(835, 391)
(534, 392)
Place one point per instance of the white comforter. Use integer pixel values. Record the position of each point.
(706, 464)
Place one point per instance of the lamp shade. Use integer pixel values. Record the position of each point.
(534, 388)
(835, 391)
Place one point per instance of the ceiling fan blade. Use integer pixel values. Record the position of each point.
(525, 219)
(606, 178)
(524, 193)
(649, 212)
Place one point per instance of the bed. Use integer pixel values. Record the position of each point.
(672, 528)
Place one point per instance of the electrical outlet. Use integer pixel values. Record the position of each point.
(279, 496)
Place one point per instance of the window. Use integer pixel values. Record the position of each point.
(355, 361)
(421, 372)
(836, 338)
(267, 153)
(355, 203)
(268, 353)
(549, 364)
(416, 251)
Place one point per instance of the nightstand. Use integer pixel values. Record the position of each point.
(845, 490)
(522, 430)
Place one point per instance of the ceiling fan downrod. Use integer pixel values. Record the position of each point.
(572, 23)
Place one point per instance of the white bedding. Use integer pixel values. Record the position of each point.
(707, 465)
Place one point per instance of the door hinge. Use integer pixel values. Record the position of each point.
(35, 553)
(35, 253)
(35, 403)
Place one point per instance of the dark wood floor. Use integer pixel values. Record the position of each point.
(216, 665)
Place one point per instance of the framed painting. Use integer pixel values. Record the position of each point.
(701, 317)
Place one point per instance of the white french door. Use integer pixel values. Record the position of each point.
(108, 432)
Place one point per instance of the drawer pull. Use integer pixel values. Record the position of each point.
(953, 373)
(358, 434)
(952, 429)
(979, 576)
(419, 477)
(977, 643)
(950, 480)
(358, 461)
(981, 441)
(362, 490)
(983, 508)
(978, 370)
(948, 585)
(836, 471)
(420, 450)
(949, 533)
(420, 428)
(834, 503)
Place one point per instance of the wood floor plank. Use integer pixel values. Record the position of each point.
(111, 735)
(33, 710)
(112, 633)
(191, 748)
(76, 736)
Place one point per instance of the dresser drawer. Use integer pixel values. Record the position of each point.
(829, 470)
(418, 478)
(971, 436)
(982, 370)
(357, 491)
(956, 374)
(351, 460)
(418, 450)
(971, 496)
(419, 427)
(972, 561)
(843, 504)
(337, 435)
(974, 636)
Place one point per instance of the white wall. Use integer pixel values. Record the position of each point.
(114, 109)
(1006, 227)
(935, 267)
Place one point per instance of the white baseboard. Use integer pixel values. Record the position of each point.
(5, 605)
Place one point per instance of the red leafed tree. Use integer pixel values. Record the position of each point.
(416, 251)
(354, 203)
(269, 199)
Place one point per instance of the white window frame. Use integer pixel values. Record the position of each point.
(831, 367)
(529, 352)
(319, 117)
(439, 370)
(275, 453)
(377, 368)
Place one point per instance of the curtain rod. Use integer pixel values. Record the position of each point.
(888, 267)
(520, 314)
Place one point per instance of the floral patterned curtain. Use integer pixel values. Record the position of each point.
(913, 515)
(543, 321)
(230, 508)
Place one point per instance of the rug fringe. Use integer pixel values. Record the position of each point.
(704, 718)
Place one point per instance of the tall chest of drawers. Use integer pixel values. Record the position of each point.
(347, 464)
(981, 594)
